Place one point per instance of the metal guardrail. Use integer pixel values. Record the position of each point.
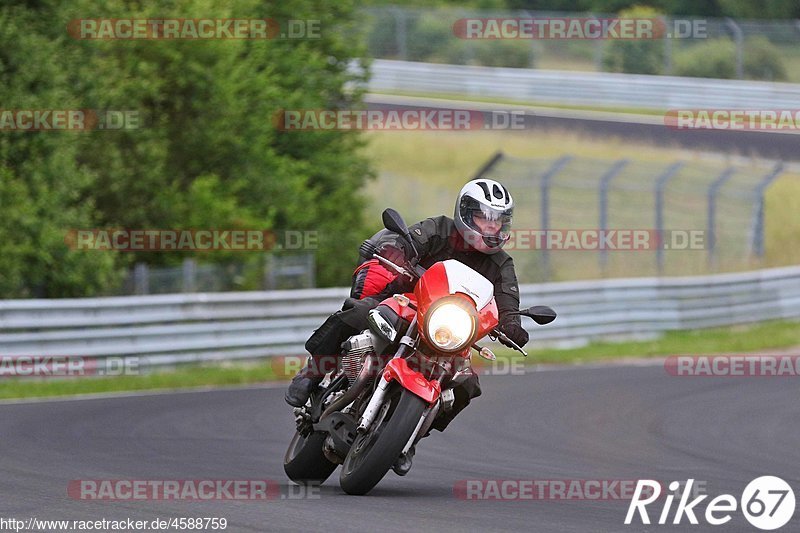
(183, 328)
(580, 88)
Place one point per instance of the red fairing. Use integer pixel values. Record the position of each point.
(412, 380)
(488, 318)
(432, 286)
(403, 310)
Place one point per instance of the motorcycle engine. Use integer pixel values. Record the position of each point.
(356, 350)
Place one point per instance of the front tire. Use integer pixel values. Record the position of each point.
(373, 453)
(304, 462)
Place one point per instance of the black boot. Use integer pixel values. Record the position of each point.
(300, 389)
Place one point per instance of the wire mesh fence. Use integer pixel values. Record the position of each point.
(272, 272)
(702, 47)
(583, 218)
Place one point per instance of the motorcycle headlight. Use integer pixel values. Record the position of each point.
(451, 324)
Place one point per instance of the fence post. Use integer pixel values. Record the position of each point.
(189, 275)
(600, 47)
(711, 223)
(738, 37)
(667, 46)
(311, 266)
(141, 279)
(400, 32)
(661, 184)
(270, 273)
(545, 208)
(488, 165)
(758, 212)
(605, 185)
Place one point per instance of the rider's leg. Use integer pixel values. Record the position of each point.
(464, 393)
(324, 345)
(470, 388)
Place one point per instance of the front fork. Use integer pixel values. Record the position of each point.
(398, 370)
(407, 343)
(375, 403)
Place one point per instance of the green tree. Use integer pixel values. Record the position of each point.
(207, 152)
(44, 189)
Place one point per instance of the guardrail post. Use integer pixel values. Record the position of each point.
(661, 184)
(545, 208)
(758, 212)
(711, 224)
(605, 185)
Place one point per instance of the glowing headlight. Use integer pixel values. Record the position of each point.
(450, 327)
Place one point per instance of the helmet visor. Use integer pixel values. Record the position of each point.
(493, 224)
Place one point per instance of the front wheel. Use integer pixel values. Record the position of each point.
(373, 453)
(305, 461)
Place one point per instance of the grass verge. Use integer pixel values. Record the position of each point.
(773, 335)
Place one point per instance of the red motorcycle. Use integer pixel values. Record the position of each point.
(394, 379)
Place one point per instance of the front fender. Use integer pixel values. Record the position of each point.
(412, 380)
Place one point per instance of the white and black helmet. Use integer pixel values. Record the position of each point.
(488, 200)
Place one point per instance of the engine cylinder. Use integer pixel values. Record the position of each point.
(356, 350)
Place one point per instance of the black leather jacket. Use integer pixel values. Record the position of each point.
(437, 239)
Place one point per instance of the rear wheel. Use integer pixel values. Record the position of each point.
(373, 453)
(305, 462)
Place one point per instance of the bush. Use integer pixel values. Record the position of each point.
(429, 36)
(762, 60)
(635, 56)
(716, 58)
(491, 53)
(431, 39)
(511, 53)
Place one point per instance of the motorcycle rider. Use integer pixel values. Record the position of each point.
(475, 235)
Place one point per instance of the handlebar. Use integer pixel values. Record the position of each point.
(502, 336)
(397, 268)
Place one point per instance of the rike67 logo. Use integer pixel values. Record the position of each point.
(767, 503)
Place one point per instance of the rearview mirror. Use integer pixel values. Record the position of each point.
(541, 314)
(394, 222)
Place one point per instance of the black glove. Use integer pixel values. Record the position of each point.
(515, 332)
(393, 253)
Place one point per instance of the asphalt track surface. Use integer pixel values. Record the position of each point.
(576, 423)
(640, 129)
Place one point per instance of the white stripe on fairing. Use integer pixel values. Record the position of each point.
(462, 278)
